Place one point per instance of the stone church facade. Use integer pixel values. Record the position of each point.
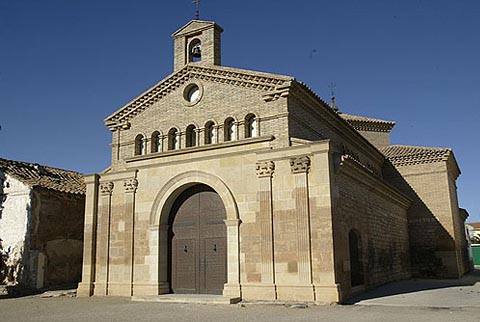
(247, 184)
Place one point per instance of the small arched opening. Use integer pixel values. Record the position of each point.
(191, 136)
(251, 129)
(173, 139)
(140, 146)
(195, 51)
(156, 142)
(210, 133)
(229, 129)
(356, 265)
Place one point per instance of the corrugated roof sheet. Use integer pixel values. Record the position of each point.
(36, 175)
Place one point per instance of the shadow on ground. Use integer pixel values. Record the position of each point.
(416, 285)
(8, 292)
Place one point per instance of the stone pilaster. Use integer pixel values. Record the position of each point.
(300, 167)
(86, 287)
(232, 288)
(130, 185)
(103, 238)
(265, 172)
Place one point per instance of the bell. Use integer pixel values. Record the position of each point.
(196, 51)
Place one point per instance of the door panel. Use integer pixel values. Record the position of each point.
(198, 242)
(215, 261)
(185, 275)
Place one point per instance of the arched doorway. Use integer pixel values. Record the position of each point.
(356, 267)
(198, 242)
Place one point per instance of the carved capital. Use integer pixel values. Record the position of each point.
(106, 188)
(130, 185)
(300, 164)
(265, 169)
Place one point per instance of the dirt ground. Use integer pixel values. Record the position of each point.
(123, 309)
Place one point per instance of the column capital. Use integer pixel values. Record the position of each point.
(300, 164)
(265, 169)
(106, 188)
(130, 185)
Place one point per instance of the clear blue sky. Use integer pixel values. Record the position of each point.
(66, 65)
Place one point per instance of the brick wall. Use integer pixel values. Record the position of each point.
(382, 227)
(431, 218)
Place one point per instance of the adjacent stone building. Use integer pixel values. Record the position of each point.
(248, 184)
(41, 225)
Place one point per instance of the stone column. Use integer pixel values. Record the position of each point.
(232, 288)
(103, 238)
(236, 135)
(130, 189)
(300, 167)
(197, 137)
(265, 219)
(86, 287)
(216, 131)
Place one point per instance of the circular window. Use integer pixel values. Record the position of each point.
(192, 93)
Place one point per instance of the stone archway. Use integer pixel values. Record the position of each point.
(159, 227)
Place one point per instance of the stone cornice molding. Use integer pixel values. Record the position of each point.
(224, 75)
(283, 91)
(106, 188)
(265, 169)
(362, 175)
(300, 164)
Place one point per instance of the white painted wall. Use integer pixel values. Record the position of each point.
(14, 216)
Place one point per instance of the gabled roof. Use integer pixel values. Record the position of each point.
(225, 75)
(195, 26)
(35, 175)
(361, 123)
(400, 155)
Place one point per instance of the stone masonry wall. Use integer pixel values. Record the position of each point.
(430, 217)
(57, 234)
(379, 139)
(382, 227)
(15, 209)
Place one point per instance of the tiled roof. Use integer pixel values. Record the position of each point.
(35, 175)
(362, 123)
(475, 225)
(408, 155)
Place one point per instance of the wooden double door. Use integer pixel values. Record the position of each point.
(198, 242)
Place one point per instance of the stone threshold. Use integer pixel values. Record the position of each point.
(188, 299)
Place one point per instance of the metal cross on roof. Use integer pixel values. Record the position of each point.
(197, 9)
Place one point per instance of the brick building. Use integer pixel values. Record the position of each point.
(41, 225)
(248, 184)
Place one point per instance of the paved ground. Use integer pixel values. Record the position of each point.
(461, 293)
(121, 309)
(421, 300)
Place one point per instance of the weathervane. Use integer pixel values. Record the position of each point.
(197, 9)
(334, 106)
